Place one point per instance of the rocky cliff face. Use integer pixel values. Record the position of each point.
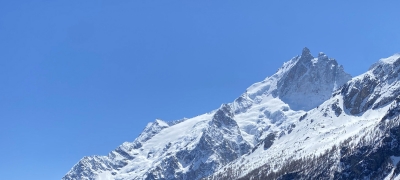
(374, 89)
(309, 120)
(311, 78)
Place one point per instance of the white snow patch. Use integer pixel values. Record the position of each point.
(106, 175)
(391, 59)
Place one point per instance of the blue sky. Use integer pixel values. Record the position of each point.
(79, 78)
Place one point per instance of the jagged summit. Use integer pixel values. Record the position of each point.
(302, 83)
(306, 55)
(311, 78)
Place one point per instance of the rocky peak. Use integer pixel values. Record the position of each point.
(311, 81)
(305, 55)
(303, 83)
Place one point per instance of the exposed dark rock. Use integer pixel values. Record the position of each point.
(357, 94)
(336, 108)
(223, 117)
(137, 145)
(291, 127)
(269, 140)
(303, 117)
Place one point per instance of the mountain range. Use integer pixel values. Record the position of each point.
(309, 120)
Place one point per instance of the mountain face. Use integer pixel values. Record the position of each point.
(311, 78)
(310, 120)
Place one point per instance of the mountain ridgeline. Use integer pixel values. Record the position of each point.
(309, 120)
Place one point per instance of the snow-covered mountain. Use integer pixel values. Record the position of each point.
(353, 135)
(308, 120)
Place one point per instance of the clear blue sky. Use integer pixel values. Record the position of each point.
(79, 78)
